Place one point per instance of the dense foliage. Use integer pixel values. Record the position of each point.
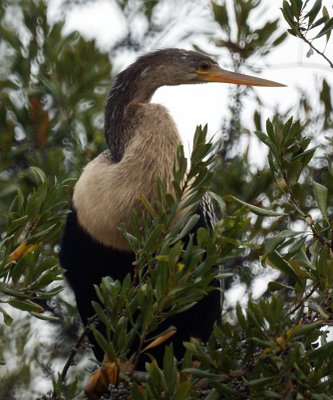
(277, 219)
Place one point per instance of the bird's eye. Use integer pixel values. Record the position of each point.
(204, 65)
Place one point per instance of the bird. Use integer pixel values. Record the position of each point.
(142, 141)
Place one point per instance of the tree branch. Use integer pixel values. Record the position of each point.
(308, 42)
(299, 305)
(77, 346)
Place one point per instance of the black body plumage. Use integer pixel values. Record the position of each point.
(87, 262)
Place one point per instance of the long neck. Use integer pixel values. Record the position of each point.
(108, 192)
(130, 87)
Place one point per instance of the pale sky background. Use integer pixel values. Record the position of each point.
(191, 105)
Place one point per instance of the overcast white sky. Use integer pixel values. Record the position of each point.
(191, 105)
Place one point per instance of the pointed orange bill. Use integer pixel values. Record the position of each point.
(218, 74)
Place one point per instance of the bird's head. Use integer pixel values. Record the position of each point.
(176, 67)
(167, 67)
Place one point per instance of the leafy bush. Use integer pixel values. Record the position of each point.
(275, 219)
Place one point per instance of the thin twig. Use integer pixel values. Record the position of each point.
(77, 346)
(304, 216)
(317, 235)
(307, 41)
(138, 352)
(299, 305)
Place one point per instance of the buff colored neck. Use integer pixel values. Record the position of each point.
(107, 191)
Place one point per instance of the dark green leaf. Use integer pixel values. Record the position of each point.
(256, 210)
(321, 193)
(275, 286)
(326, 29)
(311, 15)
(275, 260)
(26, 305)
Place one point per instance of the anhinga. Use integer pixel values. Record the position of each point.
(142, 140)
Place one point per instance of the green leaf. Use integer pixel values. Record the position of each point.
(155, 236)
(296, 6)
(256, 210)
(280, 39)
(272, 243)
(276, 261)
(199, 373)
(263, 381)
(294, 172)
(100, 312)
(321, 192)
(264, 139)
(169, 367)
(192, 222)
(305, 329)
(45, 317)
(16, 223)
(323, 352)
(326, 29)
(11, 292)
(148, 206)
(288, 15)
(270, 130)
(71, 391)
(275, 286)
(311, 15)
(33, 206)
(182, 391)
(286, 130)
(319, 310)
(106, 346)
(319, 22)
(306, 156)
(37, 172)
(310, 53)
(240, 317)
(221, 14)
(26, 305)
(6, 317)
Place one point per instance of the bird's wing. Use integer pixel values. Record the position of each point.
(208, 218)
(207, 212)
